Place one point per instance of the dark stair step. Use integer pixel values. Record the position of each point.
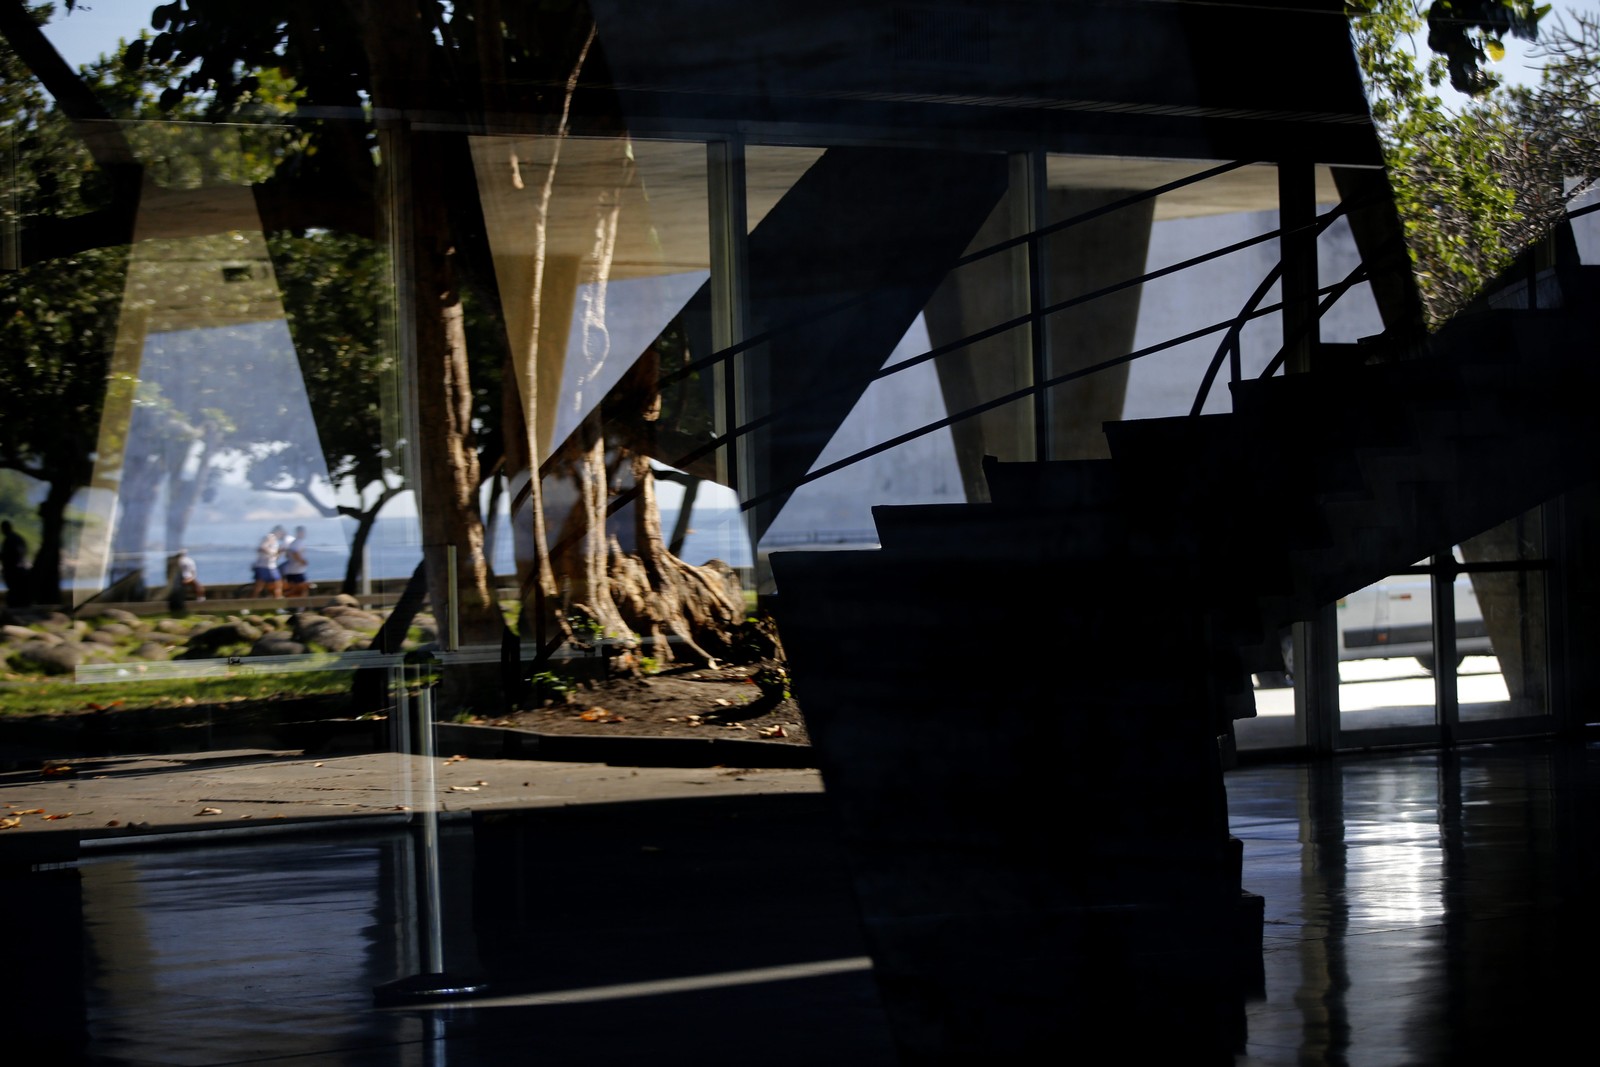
(1056, 484)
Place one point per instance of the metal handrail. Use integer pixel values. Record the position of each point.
(1011, 398)
(862, 381)
(1230, 346)
(1328, 296)
(726, 354)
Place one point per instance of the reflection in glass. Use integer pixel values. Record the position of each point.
(207, 437)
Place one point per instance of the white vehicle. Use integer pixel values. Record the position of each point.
(1392, 619)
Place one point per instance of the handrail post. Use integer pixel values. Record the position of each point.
(729, 313)
(730, 316)
(1038, 200)
(1297, 240)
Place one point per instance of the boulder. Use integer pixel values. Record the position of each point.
(115, 629)
(353, 618)
(172, 626)
(346, 600)
(27, 616)
(277, 644)
(63, 657)
(102, 637)
(21, 634)
(152, 650)
(127, 618)
(229, 633)
(317, 630)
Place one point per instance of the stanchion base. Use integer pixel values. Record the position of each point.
(427, 987)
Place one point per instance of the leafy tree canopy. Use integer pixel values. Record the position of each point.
(1475, 185)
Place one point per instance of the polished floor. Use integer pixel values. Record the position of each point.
(1422, 908)
(1427, 907)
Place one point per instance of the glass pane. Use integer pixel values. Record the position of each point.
(863, 344)
(1500, 630)
(1386, 659)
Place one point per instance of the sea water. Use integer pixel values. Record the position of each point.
(225, 552)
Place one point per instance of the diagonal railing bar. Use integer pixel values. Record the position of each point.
(1328, 295)
(1230, 343)
(714, 358)
(1000, 401)
(1104, 209)
(862, 381)
(1360, 273)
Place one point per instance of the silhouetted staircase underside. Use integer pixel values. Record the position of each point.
(1016, 704)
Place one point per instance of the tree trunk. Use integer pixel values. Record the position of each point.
(365, 520)
(46, 573)
(183, 493)
(662, 597)
(582, 554)
(369, 687)
(447, 455)
(141, 475)
(399, 45)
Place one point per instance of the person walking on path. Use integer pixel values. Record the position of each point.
(14, 566)
(269, 580)
(295, 564)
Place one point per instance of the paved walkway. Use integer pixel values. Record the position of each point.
(135, 800)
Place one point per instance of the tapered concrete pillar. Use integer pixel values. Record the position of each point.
(1081, 259)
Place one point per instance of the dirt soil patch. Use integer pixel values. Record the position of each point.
(682, 702)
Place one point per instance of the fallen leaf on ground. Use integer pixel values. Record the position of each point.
(30, 811)
(209, 811)
(480, 782)
(723, 703)
(774, 731)
(67, 815)
(463, 789)
(733, 726)
(114, 822)
(10, 824)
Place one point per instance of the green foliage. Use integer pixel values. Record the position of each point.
(549, 688)
(16, 507)
(585, 627)
(649, 665)
(58, 697)
(1473, 186)
(773, 681)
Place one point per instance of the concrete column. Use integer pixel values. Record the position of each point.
(1080, 259)
(1103, 251)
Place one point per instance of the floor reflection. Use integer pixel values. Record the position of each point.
(1422, 908)
(707, 932)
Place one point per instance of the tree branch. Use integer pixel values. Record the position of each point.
(100, 133)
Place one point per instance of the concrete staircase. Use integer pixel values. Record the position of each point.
(1016, 704)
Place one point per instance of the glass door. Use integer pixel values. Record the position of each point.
(1453, 649)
